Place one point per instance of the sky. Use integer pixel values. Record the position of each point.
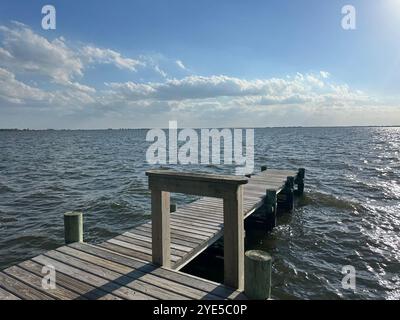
(226, 63)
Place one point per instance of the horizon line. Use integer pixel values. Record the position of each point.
(233, 127)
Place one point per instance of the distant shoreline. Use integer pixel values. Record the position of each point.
(123, 129)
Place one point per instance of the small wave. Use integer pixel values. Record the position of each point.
(118, 205)
(5, 189)
(42, 195)
(5, 220)
(31, 240)
(328, 200)
(57, 189)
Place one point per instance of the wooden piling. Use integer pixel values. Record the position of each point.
(234, 239)
(172, 207)
(161, 229)
(73, 227)
(289, 191)
(300, 181)
(257, 270)
(263, 168)
(270, 208)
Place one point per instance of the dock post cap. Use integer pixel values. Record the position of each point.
(73, 213)
(258, 255)
(257, 273)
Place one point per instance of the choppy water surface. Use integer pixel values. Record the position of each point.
(350, 214)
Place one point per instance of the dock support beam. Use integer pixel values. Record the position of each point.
(257, 284)
(234, 239)
(160, 228)
(73, 227)
(270, 208)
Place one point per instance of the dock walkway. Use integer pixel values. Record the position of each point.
(123, 267)
(199, 224)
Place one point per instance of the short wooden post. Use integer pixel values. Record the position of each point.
(263, 168)
(160, 227)
(270, 208)
(289, 190)
(300, 181)
(234, 239)
(73, 227)
(257, 270)
(172, 207)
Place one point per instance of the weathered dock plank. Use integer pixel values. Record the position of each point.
(207, 286)
(5, 295)
(83, 290)
(21, 289)
(91, 272)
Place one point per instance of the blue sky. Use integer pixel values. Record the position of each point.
(203, 63)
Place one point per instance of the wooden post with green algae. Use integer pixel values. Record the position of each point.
(257, 273)
(73, 227)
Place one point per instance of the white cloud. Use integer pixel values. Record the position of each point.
(180, 64)
(193, 87)
(108, 56)
(160, 72)
(81, 87)
(4, 54)
(308, 88)
(325, 74)
(14, 91)
(31, 55)
(229, 101)
(25, 51)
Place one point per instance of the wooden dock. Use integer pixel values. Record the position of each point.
(199, 224)
(144, 262)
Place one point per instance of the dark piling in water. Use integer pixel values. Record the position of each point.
(300, 181)
(270, 209)
(73, 227)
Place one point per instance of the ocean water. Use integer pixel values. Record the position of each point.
(349, 215)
